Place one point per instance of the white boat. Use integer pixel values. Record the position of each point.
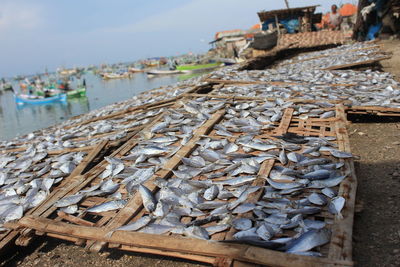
(163, 72)
(107, 76)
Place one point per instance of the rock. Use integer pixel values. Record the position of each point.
(396, 174)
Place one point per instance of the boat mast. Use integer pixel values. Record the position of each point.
(287, 3)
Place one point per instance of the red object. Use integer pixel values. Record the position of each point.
(348, 10)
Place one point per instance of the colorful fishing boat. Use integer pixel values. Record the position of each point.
(30, 99)
(80, 92)
(191, 68)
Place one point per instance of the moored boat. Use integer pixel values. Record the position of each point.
(162, 72)
(107, 76)
(134, 70)
(80, 92)
(30, 99)
(192, 68)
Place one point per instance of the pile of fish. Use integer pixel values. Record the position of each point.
(27, 179)
(334, 60)
(351, 95)
(210, 190)
(218, 191)
(156, 145)
(366, 88)
(342, 50)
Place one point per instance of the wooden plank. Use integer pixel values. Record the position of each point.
(178, 244)
(285, 121)
(135, 204)
(340, 246)
(74, 219)
(191, 257)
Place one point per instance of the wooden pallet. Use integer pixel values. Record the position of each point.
(93, 230)
(296, 97)
(78, 177)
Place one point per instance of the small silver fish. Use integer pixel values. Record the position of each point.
(149, 201)
(336, 205)
(211, 193)
(309, 240)
(108, 206)
(242, 224)
(68, 200)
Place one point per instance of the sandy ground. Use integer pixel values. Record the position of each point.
(377, 222)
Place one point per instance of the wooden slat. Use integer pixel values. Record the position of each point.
(285, 121)
(178, 244)
(340, 246)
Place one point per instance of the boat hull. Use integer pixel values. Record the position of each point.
(21, 99)
(163, 72)
(76, 93)
(198, 68)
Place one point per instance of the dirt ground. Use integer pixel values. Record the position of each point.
(376, 227)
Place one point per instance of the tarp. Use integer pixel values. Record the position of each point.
(348, 10)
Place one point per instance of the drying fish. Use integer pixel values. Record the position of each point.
(149, 202)
(140, 223)
(317, 199)
(242, 224)
(308, 241)
(336, 205)
(329, 192)
(317, 175)
(69, 200)
(259, 146)
(107, 206)
(340, 154)
(217, 228)
(211, 193)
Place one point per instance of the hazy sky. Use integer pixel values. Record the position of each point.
(35, 34)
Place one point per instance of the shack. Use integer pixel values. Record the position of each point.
(299, 19)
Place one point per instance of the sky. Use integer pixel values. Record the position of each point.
(40, 34)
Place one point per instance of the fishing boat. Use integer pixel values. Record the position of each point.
(162, 72)
(192, 68)
(134, 70)
(108, 76)
(30, 99)
(5, 86)
(79, 92)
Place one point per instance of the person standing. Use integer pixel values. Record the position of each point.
(335, 19)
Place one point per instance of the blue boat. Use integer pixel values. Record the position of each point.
(28, 99)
